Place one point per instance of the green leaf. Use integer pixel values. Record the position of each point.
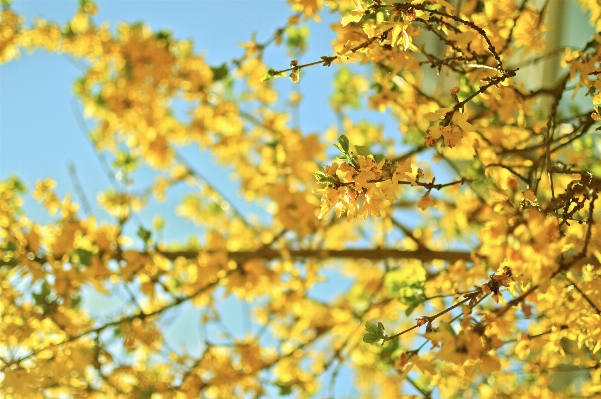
(344, 143)
(214, 209)
(143, 393)
(412, 308)
(17, 184)
(9, 246)
(84, 256)
(271, 74)
(411, 289)
(164, 35)
(322, 177)
(40, 297)
(374, 333)
(220, 72)
(370, 338)
(144, 234)
(388, 350)
(371, 327)
(285, 390)
(268, 75)
(362, 150)
(379, 157)
(125, 161)
(75, 301)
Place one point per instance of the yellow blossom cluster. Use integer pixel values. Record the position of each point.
(358, 188)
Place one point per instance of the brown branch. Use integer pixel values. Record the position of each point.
(260, 47)
(430, 319)
(516, 301)
(586, 298)
(591, 220)
(574, 263)
(585, 126)
(493, 82)
(272, 254)
(472, 25)
(355, 253)
(409, 154)
(408, 233)
(429, 185)
(203, 180)
(79, 190)
(534, 336)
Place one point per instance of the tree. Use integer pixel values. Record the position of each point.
(472, 242)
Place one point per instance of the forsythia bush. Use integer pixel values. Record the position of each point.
(472, 242)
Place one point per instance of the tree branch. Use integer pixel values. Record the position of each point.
(355, 253)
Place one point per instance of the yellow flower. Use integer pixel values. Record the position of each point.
(361, 180)
(426, 202)
(328, 200)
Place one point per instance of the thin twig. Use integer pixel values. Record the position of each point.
(586, 298)
(79, 190)
(429, 319)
